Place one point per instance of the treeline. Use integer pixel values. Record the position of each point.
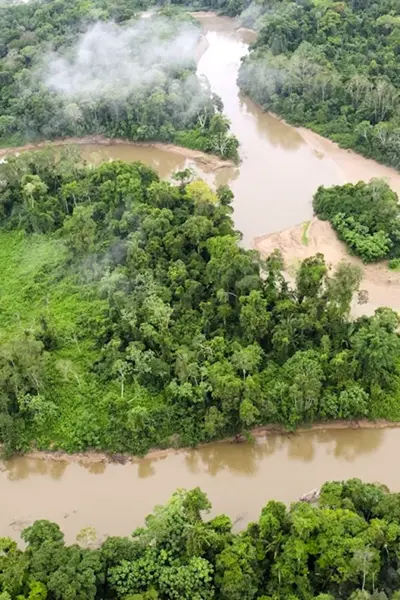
(230, 8)
(130, 317)
(59, 77)
(346, 548)
(366, 216)
(249, 12)
(333, 67)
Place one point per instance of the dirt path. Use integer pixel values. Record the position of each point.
(382, 285)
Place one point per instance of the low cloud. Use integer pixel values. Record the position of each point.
(114, 60)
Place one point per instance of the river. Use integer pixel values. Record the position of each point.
(238, 478)
(279, 171)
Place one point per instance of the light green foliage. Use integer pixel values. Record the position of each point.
(394, 264)
(331, 66)
(135, 318)
(366, 216)
(199, 192)
(304, 233)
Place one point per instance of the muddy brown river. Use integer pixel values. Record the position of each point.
(239, 479)
(279, 171)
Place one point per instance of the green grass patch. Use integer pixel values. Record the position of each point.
(36, 283)
(304, 233)
(394, 264)
(26, 263)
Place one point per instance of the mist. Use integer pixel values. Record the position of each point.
(110, 60)
(252, 15)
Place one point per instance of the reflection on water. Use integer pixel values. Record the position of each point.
(95, 468)
(270, 128)
(273, 190)
(21, 468)
(239, 479)
(163, 161)
(342, 444)
(279, 172)
(240, 459)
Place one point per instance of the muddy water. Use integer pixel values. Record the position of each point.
(279, 171)
(238, 478)
(273, 187)
(165, 162)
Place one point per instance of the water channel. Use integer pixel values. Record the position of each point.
(273, 188)
(238, 478)
(279, 170)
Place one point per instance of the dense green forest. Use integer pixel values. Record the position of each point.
(130, 317)
(346, 548)
(230, 8)
(75, 68)
(366, 216)
(333, 67)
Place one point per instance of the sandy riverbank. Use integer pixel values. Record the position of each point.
(208, 160)
(88, 458)
(354, 167)
(382, 285)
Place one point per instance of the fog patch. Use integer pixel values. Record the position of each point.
(111, 60)
(253, 15)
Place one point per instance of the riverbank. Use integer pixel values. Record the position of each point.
(264, 431)
(381, 284)
(208, 160)
(278, 175)
(354, 167)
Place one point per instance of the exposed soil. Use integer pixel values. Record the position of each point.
(353, 166)
(209, 160)
(88, 458)
(382, 285)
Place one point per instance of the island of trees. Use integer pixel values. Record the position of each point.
(74, 68)
(131, 317)
(331, 66)
(347, 548)
(366, 216)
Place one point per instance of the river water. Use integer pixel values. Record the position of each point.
(279, 170)
(273, 188)
(238, 478)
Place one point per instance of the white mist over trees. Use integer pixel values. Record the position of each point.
(73, 69)
(332, 67)
(112, 59)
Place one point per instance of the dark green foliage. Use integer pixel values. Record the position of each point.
(131, 317)
(346, 548)
(333, 67)
(230, 8)
(366, 216)
(171, 105)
